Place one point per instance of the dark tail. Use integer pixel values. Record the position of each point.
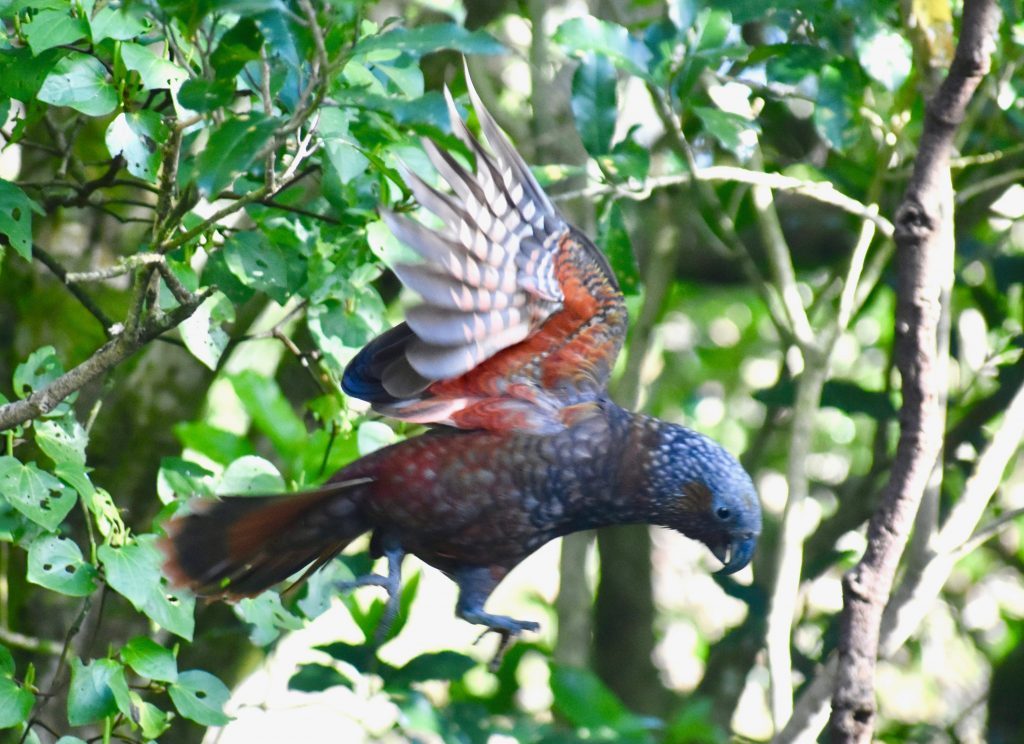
(240, 545)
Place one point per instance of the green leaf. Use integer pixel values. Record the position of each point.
(361, 656)
(206, 95)
(260, 264)
(834, 115)
(79, 82)
(231, 149)
(15, 703)
(63, 440)
(585, 701)
(52, 28)
(250, 475)
(728, 128)
(134, 571)
(317, 678)
(6, 662)
(626, 160)
(200, 696)
(91, 697)
(156, 72)
(117, 23)
(138, 137)
(594, 103)
(613, 239)
(792, 63)
(444, 665)
(150, 719)
(40, 369)
(592, 35)
(35, 493)
(149, 659)
(339, 326)
(267, 616)
(16, 219)
(56, 563)
(178, 477)
(238, 46)
(202, 332)
(430, 38)
(271, 411)
(219, 445)
(342, 150)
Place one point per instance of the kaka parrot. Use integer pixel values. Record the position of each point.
(507, 356)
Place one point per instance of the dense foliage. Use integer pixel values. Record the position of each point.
(191, 253)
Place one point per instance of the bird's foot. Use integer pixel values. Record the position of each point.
(507, 629)
(392, 584)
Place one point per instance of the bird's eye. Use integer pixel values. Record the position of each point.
(723, 513)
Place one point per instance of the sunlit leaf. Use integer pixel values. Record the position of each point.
(56, 563)
(200, 696)
(79, 81)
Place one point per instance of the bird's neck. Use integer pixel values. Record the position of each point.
(612, 471)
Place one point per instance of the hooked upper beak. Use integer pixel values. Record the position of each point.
(736, 554)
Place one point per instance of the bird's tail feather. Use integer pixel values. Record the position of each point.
(240, 545)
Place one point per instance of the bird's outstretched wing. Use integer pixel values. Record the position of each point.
(521, 317)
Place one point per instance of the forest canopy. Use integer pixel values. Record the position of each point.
(191, 251)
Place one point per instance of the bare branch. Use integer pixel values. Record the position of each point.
(61, 273)
(924, 240)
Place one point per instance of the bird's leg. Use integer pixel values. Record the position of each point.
(392, 583)
(475, 586)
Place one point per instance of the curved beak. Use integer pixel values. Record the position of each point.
(735, 554)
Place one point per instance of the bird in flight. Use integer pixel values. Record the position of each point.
(507, 356)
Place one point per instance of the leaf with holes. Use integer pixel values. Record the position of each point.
(200, 696)
(137, 136)
(134, 571)
(16, 217)
(35, 493)
(149, 659)
(40, 369)
(57, 563)
(63, 440)
(79, 82)
(259, 264)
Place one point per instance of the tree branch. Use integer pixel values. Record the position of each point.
(112, 353)
(924, 252)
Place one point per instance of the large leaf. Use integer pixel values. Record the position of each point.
(262, 265)
(200, 696)
(231, 149)
(16, 217)
(203, 331)
(271, 411)
(593, 35)
(79, 81)
(134, 571)
(250, 475)
(52, 28)
(94, 690)
(149, 659)
(35, 493)
(156, 72)
(15, 703)
(138, 136)
(56, 563)
(594, 103)
(63, 440)
(430, 38)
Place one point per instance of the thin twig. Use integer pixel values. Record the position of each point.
(61, 273)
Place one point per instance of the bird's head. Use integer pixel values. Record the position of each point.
(702, 491)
